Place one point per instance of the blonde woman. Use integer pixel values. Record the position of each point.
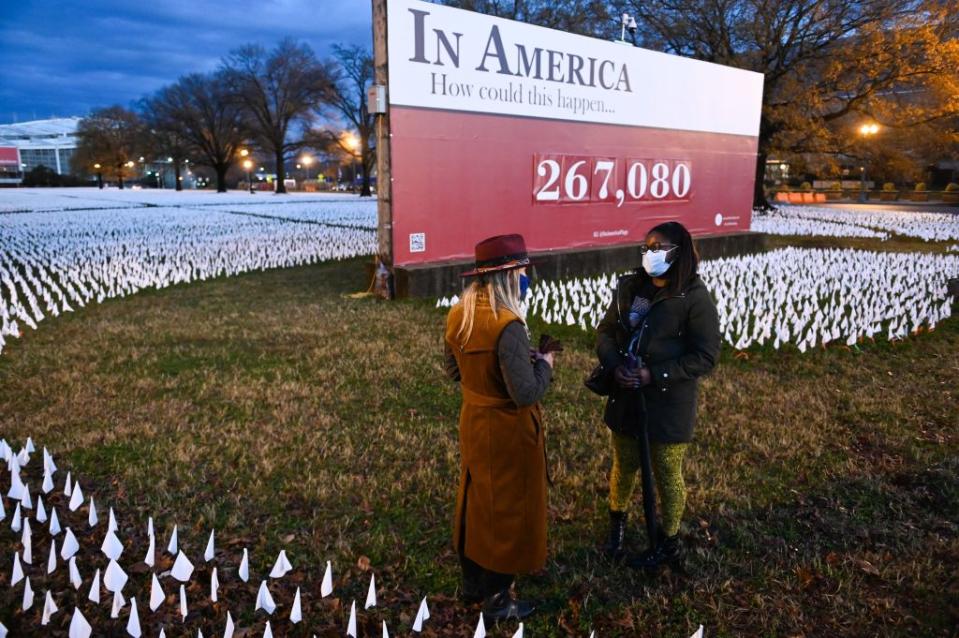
(500, 524)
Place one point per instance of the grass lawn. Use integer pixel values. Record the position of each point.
(823, 488)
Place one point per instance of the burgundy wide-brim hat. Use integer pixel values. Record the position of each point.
(503, 252)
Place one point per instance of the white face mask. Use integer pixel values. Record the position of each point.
(654, 262)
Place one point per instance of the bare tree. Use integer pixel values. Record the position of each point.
(346, 102)
(200, 110)
(585, 17)
(277, 90)
(110, 137)
(165, 138)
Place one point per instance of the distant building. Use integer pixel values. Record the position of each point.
(51, 143)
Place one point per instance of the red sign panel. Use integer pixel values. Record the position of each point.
(9, 156)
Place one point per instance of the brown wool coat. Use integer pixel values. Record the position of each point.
(500, 520)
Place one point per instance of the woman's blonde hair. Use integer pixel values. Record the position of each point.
(501, 288)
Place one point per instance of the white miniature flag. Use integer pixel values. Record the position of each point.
(228, 630)
(29, 447)
(75, 579)
(150, 531)
(27, 541)
(112, 522)
(49, 608)
(268, 632)
(114, 578)
(67, 486)
(150, 558)
(326, 587)
(41, 511)
(264, 600)
(133, 622)
(27, 595)
(47, 485)
(183, 602)
(25, 497)
(171, 546)
(214, 586)
(351, 626)
(282, 566)
(699, 633)
(16, 524)
(118, 603)
(70, 545)
(79, 627)
(76, 498)
(162, 633)
(422, 615)
(17, 575)
(371, 594)
(244, 570)
(94, 595)
(52, 558)
(386, 634)
(156, 593)
(112, 547)
(92, 517)
(16, 486)
(480, 628)
(3, 512)
(519, 632)
(208, 554)
(54, 522)
(182, 568)
(48, 464)
(296, 612)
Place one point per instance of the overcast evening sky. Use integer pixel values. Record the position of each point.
(62, 58)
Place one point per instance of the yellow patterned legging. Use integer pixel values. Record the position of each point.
(667, 469)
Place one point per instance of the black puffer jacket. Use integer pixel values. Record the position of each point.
(680, 342)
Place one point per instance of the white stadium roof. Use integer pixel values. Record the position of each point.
(56, 132)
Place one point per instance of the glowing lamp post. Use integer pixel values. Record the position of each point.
(353, 143)
(248, 165)
(866, 131)
(99, 176)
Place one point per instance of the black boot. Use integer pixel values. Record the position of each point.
(615, 545)
(501, 606)
(669, 551)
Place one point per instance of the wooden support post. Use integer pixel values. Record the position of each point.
(384, 189)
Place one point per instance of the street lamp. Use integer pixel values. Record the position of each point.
(99, 176)
(307, 160)
(248, 165)
(353, 143)
(866, 131)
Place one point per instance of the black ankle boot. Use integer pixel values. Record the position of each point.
(669, 551)
(616, 543)
(501, 606)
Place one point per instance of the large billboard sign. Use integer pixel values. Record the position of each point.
(499, 127)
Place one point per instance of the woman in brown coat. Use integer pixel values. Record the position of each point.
(500, 524)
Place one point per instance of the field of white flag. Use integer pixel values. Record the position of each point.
(838, 222)
(58, 259)
(88, 563)
(802, 296)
